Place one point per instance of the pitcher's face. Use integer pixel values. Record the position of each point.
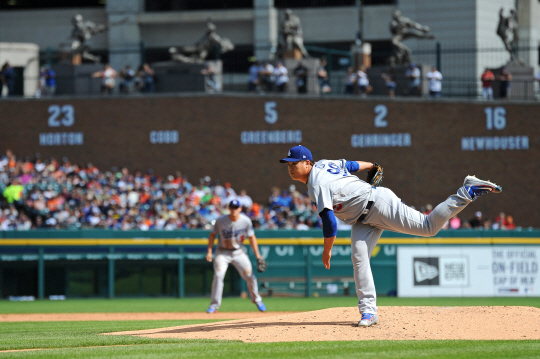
(299, 171)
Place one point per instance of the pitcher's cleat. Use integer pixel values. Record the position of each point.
(261, 306)
(477, 187)
(211, 310)
(368, 319)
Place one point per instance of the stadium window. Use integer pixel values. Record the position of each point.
(379, 2)
(178, 5)
(49, 4)
(282, 4)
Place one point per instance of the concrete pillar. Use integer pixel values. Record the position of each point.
(528, 12)
(265, 29)
(124, 34)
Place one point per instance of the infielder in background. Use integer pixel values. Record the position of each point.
(231, 230)
(370, 210)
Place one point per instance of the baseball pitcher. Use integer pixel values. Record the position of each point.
(231, 230)
(370, 210)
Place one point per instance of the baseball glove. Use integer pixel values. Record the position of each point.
(375, 175)
(261, 265)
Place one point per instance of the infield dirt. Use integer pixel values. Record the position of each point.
(395, 323)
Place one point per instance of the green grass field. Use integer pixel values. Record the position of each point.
(82, 339)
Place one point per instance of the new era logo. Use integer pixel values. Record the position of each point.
(426, 271)
(423, 271)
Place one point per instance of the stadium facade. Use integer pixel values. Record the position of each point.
(145, 30)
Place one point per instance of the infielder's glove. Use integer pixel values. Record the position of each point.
(261, 265)
(375, 175)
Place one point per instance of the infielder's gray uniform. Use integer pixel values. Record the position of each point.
(230, 249)
(371, 210)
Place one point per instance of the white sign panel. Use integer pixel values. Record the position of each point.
(468, 271)
(515, 271)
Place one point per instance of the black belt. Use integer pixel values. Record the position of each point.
(365, 211)
(227, 249)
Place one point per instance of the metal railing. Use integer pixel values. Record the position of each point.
(459, 66)
(452, 87)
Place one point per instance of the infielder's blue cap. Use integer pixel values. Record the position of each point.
(298, 153)
(235, 203)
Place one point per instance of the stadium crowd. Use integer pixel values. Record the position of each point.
(46, 193)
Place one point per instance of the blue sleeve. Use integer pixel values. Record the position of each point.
(329, 223)
(352, 166)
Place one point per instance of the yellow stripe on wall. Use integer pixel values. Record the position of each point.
(265, 241)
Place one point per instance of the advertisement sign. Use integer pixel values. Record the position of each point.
(468, 271)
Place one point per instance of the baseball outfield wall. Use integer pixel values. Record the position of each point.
(425, 147)
(109, 263)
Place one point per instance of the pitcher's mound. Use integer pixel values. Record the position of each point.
(395, 323)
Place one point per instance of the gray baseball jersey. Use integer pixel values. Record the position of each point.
(230, 250)
(231, 234)
(332, 186)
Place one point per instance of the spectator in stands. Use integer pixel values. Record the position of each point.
(390, 82)
(477, 222)
(146, 74)
(301, 74)
(505, 78)
(230, 193)
(282, 77)
(500, 221)
(415, 81)
(285, 200)
(7, 75)
(253, 79)
(322, 78)
(13, 193)
(42, 89)
(301, 225)
(50, 81)
(108, 78)
(267, 77)
(67, 195)
(363, 82)
(127, 76)
(211, 84)
(427, 210)
(487, 84)
(245, 201)
(509, 224)
(47, 82)
(455, 223)
(435, 82)
(350, 81)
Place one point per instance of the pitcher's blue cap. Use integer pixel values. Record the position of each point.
(298, 153)
(235, 203)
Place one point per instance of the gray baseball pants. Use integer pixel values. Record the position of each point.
(241, 262)
(388, 212)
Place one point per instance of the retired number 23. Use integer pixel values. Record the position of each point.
(61, 115)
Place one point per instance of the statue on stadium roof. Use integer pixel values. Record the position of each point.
(291, 36)
(81, 33)
(198, 52)
(508, 30)
(402, 28)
